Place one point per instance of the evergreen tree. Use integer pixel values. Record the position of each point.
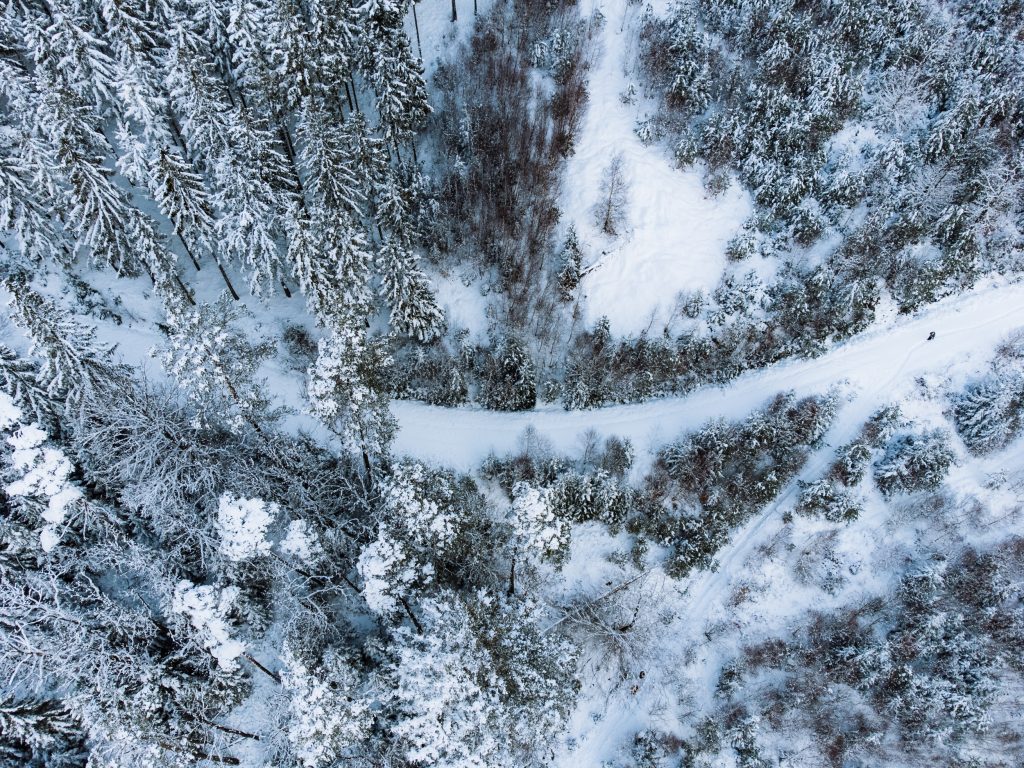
(397, 80)
(414, 310)
(39, 733)
(20, 381)
(570, 274)
(509, 383)
(335, 33)
(133, 32)
(99, 210)
(252, 193)
(198, 98)
(74, 365)
(68, 54)
(419, 524)
(27, 192)
(987, 414)
(182, 197)
(533, 516)
(314, 264)
(346, 390)
(328, 718)
(332, 173)
(216, 365)
(913, 462)
(482, 684)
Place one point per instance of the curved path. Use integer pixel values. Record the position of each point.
(973, 322)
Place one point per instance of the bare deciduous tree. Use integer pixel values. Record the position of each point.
(611, 209)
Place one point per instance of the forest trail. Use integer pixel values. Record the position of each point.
(869, 363)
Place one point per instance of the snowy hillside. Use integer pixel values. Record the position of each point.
(468, 383)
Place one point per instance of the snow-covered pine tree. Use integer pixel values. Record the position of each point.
(367, 153)
(914, 461)
(249, 28)
(253, 191)
(395, 75)
(483, 684)
(73, 363)
(28, 190)
(510, 381)
(290, 56)
(419, 522)
(182, 197)
(215, 363)
(570, 274)
(99, 211)
(20, 380)
(134, 33)
(159, 262)
(988, 413)
(328, 718)
(414, 309)
(347, 390)
(444, 690)
(332, 174)
(68, 51)
(314, 264)
(335, 28)
(545, 534)
(199, 99)
(37, 732)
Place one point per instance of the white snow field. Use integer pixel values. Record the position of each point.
(870, 363)
(675, 235)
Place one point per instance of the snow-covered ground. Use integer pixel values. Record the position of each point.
(437, 32)
(695, 625)
(675, 235)
(871, 363)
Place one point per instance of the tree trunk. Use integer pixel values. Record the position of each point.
(455, 13)
(176, 130)
(416, 23)
(188, 250)
(355, 96)
(227, 281)
(261, 668)
(412, 616)
(185, 291)
(232, 731)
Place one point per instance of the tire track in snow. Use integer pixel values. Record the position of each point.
(706, 586)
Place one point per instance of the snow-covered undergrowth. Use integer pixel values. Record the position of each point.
(674, 233)
(254, 254)
(788, 649)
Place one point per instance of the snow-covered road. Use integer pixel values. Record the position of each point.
(970, 323)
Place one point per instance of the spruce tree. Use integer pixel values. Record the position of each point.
(414, 310)
(73, 363)
(987, 414)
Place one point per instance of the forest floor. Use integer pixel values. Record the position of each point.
(674, 233)
(675, 241)
(694, 625)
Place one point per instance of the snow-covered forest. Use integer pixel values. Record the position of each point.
(594, 383)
